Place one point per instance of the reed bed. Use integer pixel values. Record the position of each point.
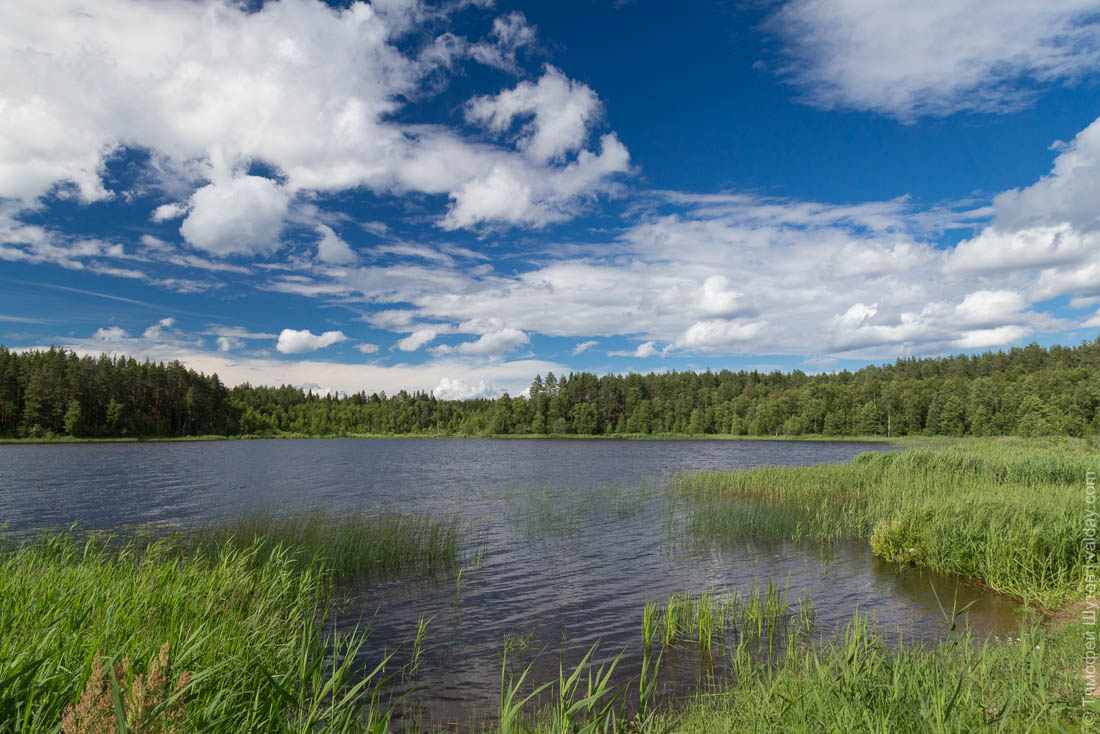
(857, 682)
(348, 544)
(1002, 512)
(209, 630)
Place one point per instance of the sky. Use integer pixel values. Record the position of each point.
(455, 196)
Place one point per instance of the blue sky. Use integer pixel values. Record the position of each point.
(455, 196)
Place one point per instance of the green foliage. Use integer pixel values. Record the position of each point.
(1033, 391)
(72, 418)
(899, 540)
(239, 619)
(1001, 510)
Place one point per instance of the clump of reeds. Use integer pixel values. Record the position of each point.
(347, 544)
(1001, 512)
(761, 614)
(241, 609)
(855, 682)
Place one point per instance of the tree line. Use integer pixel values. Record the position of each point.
(1028, 391)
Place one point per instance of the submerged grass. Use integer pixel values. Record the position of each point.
(229, 621)
(1001, 512)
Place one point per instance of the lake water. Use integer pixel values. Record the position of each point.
(572, 538)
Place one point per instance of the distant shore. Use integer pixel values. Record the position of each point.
(558, 436)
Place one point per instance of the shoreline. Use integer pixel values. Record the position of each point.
(814, 438)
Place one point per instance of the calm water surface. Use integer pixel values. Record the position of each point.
(573, 538)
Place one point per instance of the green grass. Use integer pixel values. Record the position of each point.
(1001, 512)
(345, 544)
(856, 682)
(234, 617)
(761, 615)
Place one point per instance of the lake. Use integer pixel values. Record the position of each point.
(571, 538)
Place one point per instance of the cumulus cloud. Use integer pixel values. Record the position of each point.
(167, 212)
(239, 216)
(331, 249)
(490, 343)
(300, 342)
(110, 333)
(367, 348)
(416, 340)
(456, 389)
(713, 333)
(209, 88)
(1051, 227)
(560, 112)
(464, 375)
(717, 298)
(934, 57)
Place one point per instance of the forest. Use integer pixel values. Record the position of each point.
(1024, 391)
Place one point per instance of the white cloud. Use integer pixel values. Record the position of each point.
(717, 298)
(984, 338)
(367, 348)
(209, 88)
(583, 347)
(983, 308)
(456, 389)
(721, 333)
(300, 342)
(644, 350)
(242, 215)
(416, 340)
(333, 250)
(560, 112)
(934, 57)
(110, 333)
(472, 375)
(166, 212)
(1050, 229)
(229, 343)
(490, 343)
(155, 331)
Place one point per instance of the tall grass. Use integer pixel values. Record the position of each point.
(348, 544)
(853, 683)
(762, 614)
(1000, 512)
(231, 620)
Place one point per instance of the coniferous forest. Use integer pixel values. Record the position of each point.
(1029, 391)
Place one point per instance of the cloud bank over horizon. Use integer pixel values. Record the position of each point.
(446, 195)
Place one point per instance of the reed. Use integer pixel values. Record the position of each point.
(762, 614)
(346, 544)
(856, 682)
(228, 621)
(998, 511)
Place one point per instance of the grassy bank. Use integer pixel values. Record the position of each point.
(217, 629)
(1005, 513)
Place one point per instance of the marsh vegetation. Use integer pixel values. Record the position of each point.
(230, 626)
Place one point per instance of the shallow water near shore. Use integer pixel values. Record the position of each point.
(569, 540)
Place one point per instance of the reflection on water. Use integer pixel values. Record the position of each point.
(572, 538)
